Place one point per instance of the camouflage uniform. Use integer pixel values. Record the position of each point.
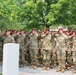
(39, 51)
(22, 52)
(55, 48)
(33, 49)
(15, 36)
(74, 52)
(26, 45)
(8, 39)
(47, 47)
(68, 53)
(61, 52)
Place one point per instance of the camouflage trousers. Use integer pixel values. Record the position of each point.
(34, 56)
(46, 58)
(54, 57)
(22, 56)
(61, 55)
(40, 57)
(69, 61)
(74, 58)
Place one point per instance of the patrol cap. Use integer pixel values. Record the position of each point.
(47, 29)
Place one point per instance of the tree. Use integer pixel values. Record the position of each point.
(63, 12)
(18, 14)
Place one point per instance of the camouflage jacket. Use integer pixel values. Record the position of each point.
(33, 42)
(47, 44)
(8, 39)
(21, 41)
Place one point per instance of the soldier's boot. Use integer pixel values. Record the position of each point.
(40, 65)
(65, 67)
(34, 67)
(72, 67)
(62, 70)
(48, 68)
(21, 65)
(59, 69)
(68, 68)
(74, 72)
(55, 65)
(44, 68)
(52, 66)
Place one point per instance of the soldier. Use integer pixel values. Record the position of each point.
(46, 47)
(15, 34)
(40, 59)
(74, 52)
(55, 48)
(69, 51)
(21, 43)
(1, 45)
(33, 48)
(8, 38)
(61, 52)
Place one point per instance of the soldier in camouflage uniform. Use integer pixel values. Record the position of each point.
(33, 48)
(74, 52)
(46, 47)
(15, 35)
(55, 48)
(40, 59)
(1, 45)
(8, 38)
(69, 51)
(61, 52)
(27, 53)
(21, 43)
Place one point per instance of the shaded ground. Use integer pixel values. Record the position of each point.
(27, 71)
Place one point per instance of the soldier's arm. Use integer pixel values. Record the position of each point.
(12, 40)
(27, 44)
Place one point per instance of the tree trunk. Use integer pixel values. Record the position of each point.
(47, 26)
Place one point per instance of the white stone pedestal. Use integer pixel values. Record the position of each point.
(11, 59)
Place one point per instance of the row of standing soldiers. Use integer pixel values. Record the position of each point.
(43, 48)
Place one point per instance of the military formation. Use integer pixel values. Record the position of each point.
(46, 49)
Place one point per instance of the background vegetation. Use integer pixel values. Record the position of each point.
(19, 14)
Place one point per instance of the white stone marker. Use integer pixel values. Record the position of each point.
(11, 59)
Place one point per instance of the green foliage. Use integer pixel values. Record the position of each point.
(62, 12)
(19, 14)
(32, 14)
